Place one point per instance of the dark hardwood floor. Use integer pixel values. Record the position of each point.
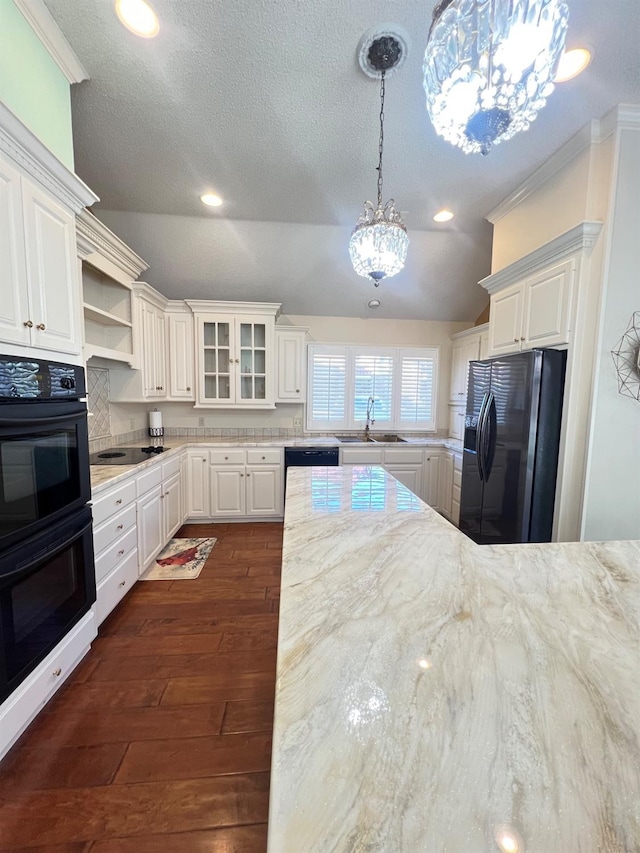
(161, 739)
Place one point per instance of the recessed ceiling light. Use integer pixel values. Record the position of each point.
(138, 17)
(572, 63)
(211, 199)
(374, 303)
(443, 216)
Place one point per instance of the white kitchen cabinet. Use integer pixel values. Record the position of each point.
(404, 463)
(246, 482)
(291, 367)
(159, 507)
(197, 484)
(153, 350)
(40, 304)
(181, 355)
(409, 475)
(457, 487)
(456, 421)
(466, 348)
(431, 474)
(533, 312)
(235, 358)
(149, 521)
(445, 483)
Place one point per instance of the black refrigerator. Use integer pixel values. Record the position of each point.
(511, 442)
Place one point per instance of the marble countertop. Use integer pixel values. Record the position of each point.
(105, 476)
(436, 696)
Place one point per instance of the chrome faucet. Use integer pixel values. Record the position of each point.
(371, 402)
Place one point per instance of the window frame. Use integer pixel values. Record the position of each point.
(350, 353)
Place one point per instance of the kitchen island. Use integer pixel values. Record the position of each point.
(436, 695)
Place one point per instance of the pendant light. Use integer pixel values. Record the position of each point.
(489, 67)
(379, 241)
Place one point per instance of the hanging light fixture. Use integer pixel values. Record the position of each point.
(379, 241)
(489, 67)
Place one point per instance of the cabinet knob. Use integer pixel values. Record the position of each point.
(237, 361)
(41, 327)
(297, 390)
(264, 457)
(121, 552)
(460, 414)
(226, 457)
(161, 497)
(119, 527)
(248, 474)
(166, 494)
(522, 339)
(57, 672)
(28, 324)
(122, 583)
(515, 340)
(188, 388)
(460, 393)
(119, 501)
(242, 475)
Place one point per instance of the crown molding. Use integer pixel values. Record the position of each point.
(94, 236)
(583, 236)
(142, 288)
(471, 332)
(204, 306)
(44, 26)
(30, 155)
(585, 137)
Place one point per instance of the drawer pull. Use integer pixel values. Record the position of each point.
(121, 552)
(226, 457)
(264, 457)
(41, 327)
(119, 527)
(57, 672)
(122, 583)
(119, 501)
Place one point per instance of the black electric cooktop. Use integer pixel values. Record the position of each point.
(124, 455)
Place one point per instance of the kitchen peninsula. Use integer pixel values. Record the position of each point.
(435, 695)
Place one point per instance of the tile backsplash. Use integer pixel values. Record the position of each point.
(98, 401)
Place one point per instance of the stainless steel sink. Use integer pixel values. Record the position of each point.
(353, 439)
(389, 438)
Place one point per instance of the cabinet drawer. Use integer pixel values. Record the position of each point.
(403, 456)
(267, 456)
(149, 480)
(171, 467)
(227, 457)
(113, 528)
(115, 586)
(113, 501)
(24, 703)
(108, 560)
(456, 492)
(362, 455)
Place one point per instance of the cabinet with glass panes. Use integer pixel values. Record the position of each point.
(235, 356)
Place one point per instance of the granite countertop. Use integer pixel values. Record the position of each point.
(435, 695)
(104, 476)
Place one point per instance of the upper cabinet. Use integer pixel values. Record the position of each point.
(467, 346)
(235, 354)
(109, 268)
(291, 364)
(533, 312)
(40, 305)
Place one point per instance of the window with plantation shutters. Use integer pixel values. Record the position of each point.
(344, 379)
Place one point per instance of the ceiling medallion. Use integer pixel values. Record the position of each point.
(489, 67)
(379, 241)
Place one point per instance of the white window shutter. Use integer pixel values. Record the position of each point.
(327, 385)
(418, 383)
(373, 377)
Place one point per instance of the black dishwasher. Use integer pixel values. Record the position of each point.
(305, 456)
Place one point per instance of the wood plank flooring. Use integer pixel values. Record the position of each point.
(161, 739)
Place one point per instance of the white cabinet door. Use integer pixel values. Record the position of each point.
(291, 366)
(456, 422)
(150, 527)
(546, 307)
(484, 345)
(458, 390)
(506, 320)
(14, 303)
(264, 490)
(446, 483)
(160, 352)
(151, 323)
(172, 506)
(227, 490)
(430, 485)
(197, 484)
(409, 475)
(52, 272)
(181, 352)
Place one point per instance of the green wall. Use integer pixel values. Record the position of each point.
(32, 86)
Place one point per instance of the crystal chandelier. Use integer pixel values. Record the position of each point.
(489, 67)
(379, 242)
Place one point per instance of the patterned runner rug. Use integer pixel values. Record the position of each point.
(180, 560)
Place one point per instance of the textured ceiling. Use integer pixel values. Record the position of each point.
(263, 101)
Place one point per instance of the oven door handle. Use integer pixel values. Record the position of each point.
(30, 422)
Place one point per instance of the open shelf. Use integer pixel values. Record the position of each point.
(105, 318)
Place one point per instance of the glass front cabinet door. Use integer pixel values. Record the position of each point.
(236, 361)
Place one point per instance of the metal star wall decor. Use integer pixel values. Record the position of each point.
(626, 357)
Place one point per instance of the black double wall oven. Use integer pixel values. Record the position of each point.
(47, 574)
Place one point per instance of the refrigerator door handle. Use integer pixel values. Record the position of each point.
(488, 436)
(479, 441)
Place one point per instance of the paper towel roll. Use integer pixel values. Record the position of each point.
(155, 423)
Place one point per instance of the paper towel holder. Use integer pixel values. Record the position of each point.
(157, 430)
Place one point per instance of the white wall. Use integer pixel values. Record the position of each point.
(132, 416)
(612, 489)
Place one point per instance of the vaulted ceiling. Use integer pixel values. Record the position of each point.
(263, 102)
